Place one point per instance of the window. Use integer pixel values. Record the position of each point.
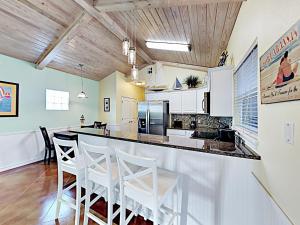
(245, 95)
(57, 100)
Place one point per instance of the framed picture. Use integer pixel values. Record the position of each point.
(106, 104)
(280, 69)
(9, 99)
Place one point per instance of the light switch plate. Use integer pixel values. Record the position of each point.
(289, 132)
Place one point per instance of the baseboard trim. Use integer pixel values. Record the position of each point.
(17, 165)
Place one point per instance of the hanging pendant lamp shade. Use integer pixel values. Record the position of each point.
(82, 94)
(134, 73)
(125, 46)
(132, 56)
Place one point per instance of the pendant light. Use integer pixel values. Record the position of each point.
(134, 73)
(125, 46)
(132, 56)
(132, 49)
(82, 94)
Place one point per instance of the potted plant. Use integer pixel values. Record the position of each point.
(192, 81)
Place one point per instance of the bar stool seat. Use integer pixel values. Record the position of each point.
(166, 181)
(148, 187)
(94, 173)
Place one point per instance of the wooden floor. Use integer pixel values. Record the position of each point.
(28, 197)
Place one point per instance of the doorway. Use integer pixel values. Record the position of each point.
(129, 114)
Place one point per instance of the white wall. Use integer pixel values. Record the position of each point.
(116, 86)
(279, 169)
(24, 147)
(20, 139)
(169, 74)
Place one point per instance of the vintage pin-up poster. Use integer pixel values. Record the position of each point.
(279, 69)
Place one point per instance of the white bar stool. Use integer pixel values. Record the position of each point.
(102, 174)
(73, 166)
(148, 186)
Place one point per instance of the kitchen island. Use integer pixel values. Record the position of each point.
(217, 181)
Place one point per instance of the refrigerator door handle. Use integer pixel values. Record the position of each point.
(148, 122)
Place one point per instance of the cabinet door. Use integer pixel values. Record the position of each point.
(161, 96)
(174, 132)
(189, 101)
(175, 102)
(221, 83)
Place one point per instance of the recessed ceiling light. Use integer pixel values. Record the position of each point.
(169, 46)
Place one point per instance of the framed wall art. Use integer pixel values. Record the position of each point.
(9, 99)
(280, 69)
(106, 104)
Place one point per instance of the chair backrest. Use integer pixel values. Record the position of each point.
(98, 159)
(67, 152)
(133, 169)
(46, 137)
(103, 126)
(97, 124)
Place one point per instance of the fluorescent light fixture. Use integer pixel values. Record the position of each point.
(169, 46)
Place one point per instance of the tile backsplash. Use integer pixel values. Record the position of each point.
(201, 119)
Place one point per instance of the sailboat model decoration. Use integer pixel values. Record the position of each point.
(177, 85)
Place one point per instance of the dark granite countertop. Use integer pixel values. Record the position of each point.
(184, 143)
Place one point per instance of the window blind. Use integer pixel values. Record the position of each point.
(245, 94)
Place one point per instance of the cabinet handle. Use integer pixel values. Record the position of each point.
(203, 105)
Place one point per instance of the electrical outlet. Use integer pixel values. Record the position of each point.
(289, 132)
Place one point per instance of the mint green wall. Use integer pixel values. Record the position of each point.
(32, 107)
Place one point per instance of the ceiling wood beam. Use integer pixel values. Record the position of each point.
(117, 5)
(49, 54)
(111, 25)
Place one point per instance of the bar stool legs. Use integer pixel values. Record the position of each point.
(59, 193)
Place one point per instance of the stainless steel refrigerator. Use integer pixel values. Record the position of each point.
(153, 117)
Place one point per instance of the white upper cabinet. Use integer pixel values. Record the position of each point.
(159, 96)
(185, 102)
(175, 102)
(189, 101)
(221, 96)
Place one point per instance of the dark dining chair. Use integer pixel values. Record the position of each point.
(97, 124)
(103, 126)
(49, 147)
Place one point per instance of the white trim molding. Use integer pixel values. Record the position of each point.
(24, 147)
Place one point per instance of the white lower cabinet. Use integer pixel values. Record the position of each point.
(179, 132)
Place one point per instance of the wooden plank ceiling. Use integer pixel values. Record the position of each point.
(62, 34)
